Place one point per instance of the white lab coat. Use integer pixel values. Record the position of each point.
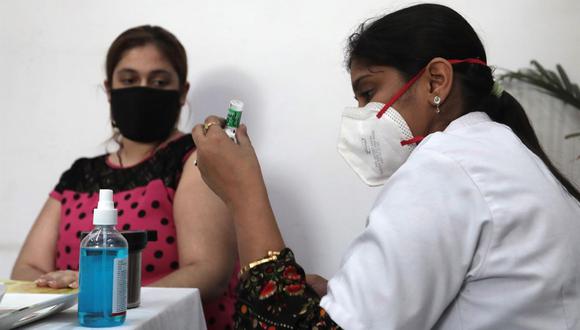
(472, 232)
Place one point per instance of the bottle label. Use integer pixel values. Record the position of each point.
(120, 276)
(234, 118)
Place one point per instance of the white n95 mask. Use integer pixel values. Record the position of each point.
(374, 147)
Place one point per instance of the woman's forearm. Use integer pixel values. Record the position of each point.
(211, 283)
(25, 272)
(256, 229)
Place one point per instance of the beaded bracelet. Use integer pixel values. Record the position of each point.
(271, 256)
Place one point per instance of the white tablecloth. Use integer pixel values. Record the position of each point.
(161, 308)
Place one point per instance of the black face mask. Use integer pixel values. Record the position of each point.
(145, 114)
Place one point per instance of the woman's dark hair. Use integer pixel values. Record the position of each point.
(409, 39)
(144, 35)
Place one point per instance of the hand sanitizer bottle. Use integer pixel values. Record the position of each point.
(103, 269)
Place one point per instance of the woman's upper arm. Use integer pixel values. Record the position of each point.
(39, 249)
(205, 234)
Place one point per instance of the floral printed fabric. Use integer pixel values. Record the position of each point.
(274, 295)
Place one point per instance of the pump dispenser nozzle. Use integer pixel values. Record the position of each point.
(105, 213)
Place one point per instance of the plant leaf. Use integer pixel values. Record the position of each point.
(572, 135)
(576, 91)
(564, 77)
(549, 82)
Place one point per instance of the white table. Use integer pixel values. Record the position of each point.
(161, 308)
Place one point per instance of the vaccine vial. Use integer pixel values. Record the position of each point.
(233, 118)
(102, 299)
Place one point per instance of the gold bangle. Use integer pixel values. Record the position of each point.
(271, 256)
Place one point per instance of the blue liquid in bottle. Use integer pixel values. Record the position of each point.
(97, 287)
(103, 269)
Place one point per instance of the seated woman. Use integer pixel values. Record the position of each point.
(156, 185)
(474, 228)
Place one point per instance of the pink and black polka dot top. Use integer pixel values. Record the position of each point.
(143, 196)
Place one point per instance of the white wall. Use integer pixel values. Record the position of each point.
(284, 58)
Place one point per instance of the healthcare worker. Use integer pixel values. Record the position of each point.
(474, 228)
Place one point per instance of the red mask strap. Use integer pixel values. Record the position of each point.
(468, 60)
(416, 77)
(400, 93)
(414, 140)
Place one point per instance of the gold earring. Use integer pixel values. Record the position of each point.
(437, 101)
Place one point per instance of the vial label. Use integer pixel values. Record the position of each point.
(120, 276)
(234, 118)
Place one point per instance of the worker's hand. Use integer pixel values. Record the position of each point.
(231, 170)
(59, 279)
(318, 283)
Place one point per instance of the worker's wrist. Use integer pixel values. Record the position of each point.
(249, 199)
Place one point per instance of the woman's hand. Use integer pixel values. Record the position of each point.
(59, 279)
(231, 170)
